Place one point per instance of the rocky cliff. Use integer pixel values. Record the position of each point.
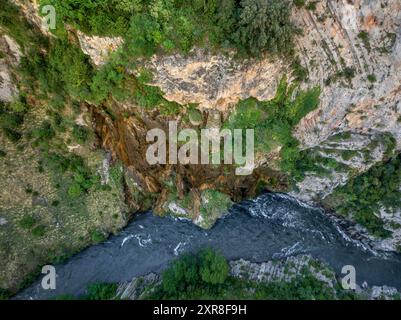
(350, 49)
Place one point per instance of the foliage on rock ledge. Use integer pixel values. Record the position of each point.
(274, 121)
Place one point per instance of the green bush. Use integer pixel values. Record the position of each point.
(75, 190)
(167, 25)
(12, 135)
(213, 267)
(191, 271)
(10, 122)
(80, 133)
(299, 3)
(27, 222)
(101, 291)
(39, 231)
(274, 120)
(372, 78)
(44, 132)
(4, 294)
(97, 236)
(205, 275)
(67, 62)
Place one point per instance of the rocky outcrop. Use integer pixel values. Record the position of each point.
(30, 8)
(283, 270)
(98, 48)
(135, 289)
(10, 56)
(215, 81)
(352, 50)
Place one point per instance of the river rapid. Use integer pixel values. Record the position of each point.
(271, 226)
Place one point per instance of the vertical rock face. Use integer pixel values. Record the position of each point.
(359, 37)
(98, 48)
(30, 9)
(351, 49)
(215, 81)
(10, 57)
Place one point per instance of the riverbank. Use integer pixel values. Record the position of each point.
(272, 226)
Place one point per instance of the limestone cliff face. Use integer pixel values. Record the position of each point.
(351, 49)
(363, 36)
(215, 81)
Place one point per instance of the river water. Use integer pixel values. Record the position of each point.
(271, 226)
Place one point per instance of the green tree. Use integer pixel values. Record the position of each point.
(213, 267)
(265, 25)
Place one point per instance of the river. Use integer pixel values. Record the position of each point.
(271, 226)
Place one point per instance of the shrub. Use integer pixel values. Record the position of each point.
(12, 135)
(195, 116)
(44, 132)
(97, 236)
(274, 120)
(372, 78)
(68, 62)
(170, 25)
(39, 231)
(192, 271)
(364, 36)
(75, 190)
(106, 17)
(4, 294)
(10, 121)
(101, 291)
(299, 3)
(204, 275)
(27, 222)
(80, 133)
(311, 5)
(213, 267)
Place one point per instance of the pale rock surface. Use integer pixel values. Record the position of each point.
(98, 48)
(215, 81)
(11, 57)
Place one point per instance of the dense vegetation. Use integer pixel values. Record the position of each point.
(364, 195)
(247, 25)
(274, 121)
(53, 79)
(205, 275)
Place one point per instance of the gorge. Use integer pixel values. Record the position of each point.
(321, 91)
